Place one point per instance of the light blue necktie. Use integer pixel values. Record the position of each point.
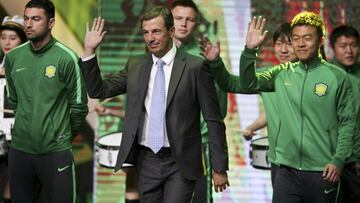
(157, 110)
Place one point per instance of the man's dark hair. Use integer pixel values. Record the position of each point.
(343, 30)
(185, 3)
(47, 5)
(159, 11)
(283, 32)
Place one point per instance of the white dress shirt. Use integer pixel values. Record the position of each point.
(168, 58)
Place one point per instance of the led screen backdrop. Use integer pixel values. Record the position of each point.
(225, 21)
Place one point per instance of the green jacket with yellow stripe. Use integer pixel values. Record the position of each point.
(47, 91)
(317, 119)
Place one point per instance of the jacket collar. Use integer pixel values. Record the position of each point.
(47, 46)
(350, 69)
(313, 63)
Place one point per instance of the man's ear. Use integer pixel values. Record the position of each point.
(51, 23)
(172, 31)
(322, 41)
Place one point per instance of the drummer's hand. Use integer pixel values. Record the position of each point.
(102, 110)
(248, 133)
(220, 181)
(331, 173)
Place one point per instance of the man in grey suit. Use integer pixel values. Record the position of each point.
(166, 90)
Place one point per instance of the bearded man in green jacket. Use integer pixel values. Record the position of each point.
(47, 91)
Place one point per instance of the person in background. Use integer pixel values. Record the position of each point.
(186, 21)
(344, 41)
(284, 52)
(12, 35)
(47, 91)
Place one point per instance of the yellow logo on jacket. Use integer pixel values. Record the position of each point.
(320, 89)
(50, 71)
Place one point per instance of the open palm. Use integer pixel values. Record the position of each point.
(94, 36)
(256, 34)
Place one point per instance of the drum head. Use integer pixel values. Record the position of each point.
(260, 143)
(125, 165)
(110, 141)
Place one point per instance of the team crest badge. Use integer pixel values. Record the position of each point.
(320, 89)
(50, 71)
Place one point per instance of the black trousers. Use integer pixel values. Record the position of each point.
(160, 181)
(53, 174)
(350, 184)
(295, 186)
(203, 186)
(273, 169)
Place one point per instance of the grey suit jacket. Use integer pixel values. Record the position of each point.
(190, 91)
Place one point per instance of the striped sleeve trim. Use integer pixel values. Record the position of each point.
(77, 68)
(21, 45)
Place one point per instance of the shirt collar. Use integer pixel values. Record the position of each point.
(168, 57)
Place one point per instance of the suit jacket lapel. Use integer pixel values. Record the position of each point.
(144, 75)
(177, 70)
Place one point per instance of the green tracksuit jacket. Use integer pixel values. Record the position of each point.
(354, 76)
(317, 119)
(231, 83)
(47, 92)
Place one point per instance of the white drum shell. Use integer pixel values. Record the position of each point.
(259, 153)
(108, 149)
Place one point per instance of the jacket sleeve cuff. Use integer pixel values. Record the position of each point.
(215, 64)
(339, 164)
(250, 53)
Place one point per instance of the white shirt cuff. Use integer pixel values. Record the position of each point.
(88, 58)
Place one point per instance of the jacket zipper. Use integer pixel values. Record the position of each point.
(302, 117)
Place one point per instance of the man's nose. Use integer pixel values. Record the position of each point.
(284, 48)
(301, 42)
(348, 49)
(150, 38)
(28, 23)
(183, 22)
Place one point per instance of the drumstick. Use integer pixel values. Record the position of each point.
(7, 111)
(238, 130)
(101, 103)
(241, 131)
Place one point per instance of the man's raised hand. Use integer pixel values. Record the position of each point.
(256, 33)
(94, 36)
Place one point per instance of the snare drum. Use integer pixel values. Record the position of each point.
(7, 126)
(108, 149)
(3, 145)
(259, 153)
